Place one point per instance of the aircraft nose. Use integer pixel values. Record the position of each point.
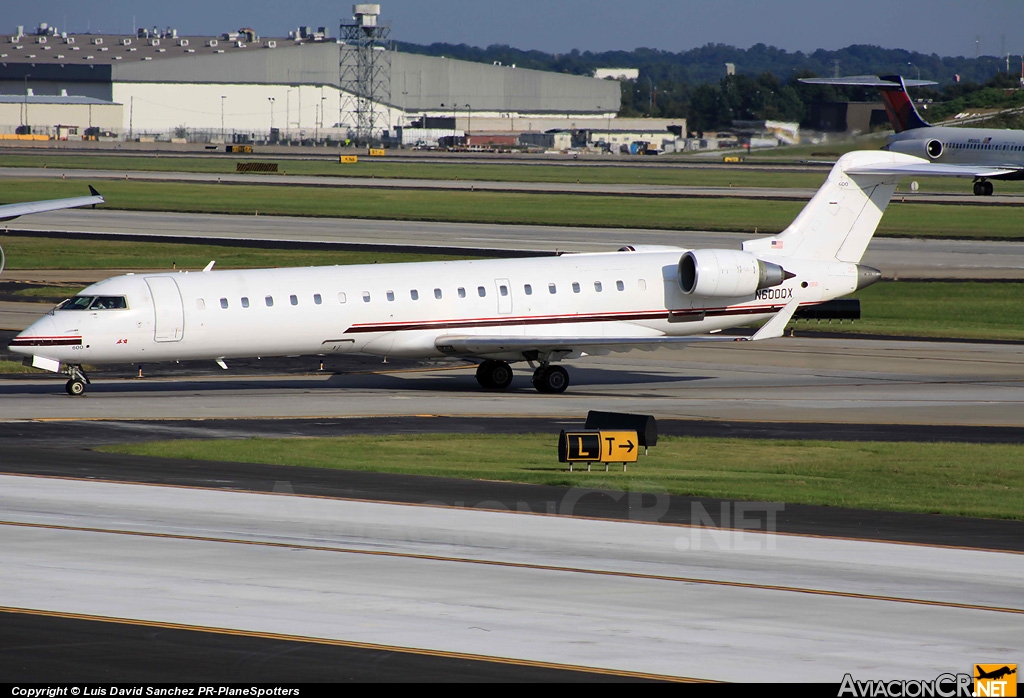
(41, 333)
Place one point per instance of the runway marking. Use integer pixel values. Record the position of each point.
(522, 566)
(353, 644)
(455, 507)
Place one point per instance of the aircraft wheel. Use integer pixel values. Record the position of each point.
(988, 188)
(75, 387)
(494, 375)
(551, 379)
(983, 188)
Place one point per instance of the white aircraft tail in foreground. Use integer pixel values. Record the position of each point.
(496, 312)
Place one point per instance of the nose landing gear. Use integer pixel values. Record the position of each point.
(76, 384)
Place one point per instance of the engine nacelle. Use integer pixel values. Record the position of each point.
(727, 273)
(930, 148)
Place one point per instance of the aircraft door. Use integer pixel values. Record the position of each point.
(169, 314)
(504, 289)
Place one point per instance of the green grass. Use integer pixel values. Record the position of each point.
(10, 368)
(742, 215)
(981, 480)
(46, 292)
(670, 170)
(959, 309)
(48, 253)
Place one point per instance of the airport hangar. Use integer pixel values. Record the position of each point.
(158, 83)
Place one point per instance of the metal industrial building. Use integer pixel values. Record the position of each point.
(210, 87)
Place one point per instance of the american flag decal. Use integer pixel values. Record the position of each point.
(777, 244)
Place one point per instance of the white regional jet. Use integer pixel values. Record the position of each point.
(495, 311)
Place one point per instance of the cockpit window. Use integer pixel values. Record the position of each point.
(94, 303)
(109, 303)
(77, 303)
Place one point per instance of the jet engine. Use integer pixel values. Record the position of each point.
(931, 148)
(727, 273)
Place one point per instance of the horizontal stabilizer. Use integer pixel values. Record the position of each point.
(865, 81)
(927, 169)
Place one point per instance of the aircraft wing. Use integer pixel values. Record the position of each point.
(865, 81)
(489, 345)
(9, 211)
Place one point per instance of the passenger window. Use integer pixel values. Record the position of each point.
(224, 303)
(366, 296)
(575, 287)
(552, 289)
(481, 291)
(200, 304)
(414, 294)
(245, 302)
(342, 298)
(528, 289)
(390, 295)
(270, 301)
(462, 293)
(317, 298)
(294, 299)
(642, 283)
(619, 285)
(437, 293)
(597, 286)
(503, 290)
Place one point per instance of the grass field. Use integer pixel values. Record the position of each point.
(48, 253)
(981, 480)
(741, 215)
(668, 170)
(954, 309)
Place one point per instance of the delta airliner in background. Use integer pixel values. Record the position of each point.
(497, 312)
(953, 145)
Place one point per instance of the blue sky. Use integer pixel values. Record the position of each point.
(945, 27)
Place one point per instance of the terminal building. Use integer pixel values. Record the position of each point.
(240, 85)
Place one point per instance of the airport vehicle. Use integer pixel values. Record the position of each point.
(497, 312)
(11, 211)
(984, 147)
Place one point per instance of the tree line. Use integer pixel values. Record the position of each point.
(693, 85)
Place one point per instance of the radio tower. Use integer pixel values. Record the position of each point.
(365, 72)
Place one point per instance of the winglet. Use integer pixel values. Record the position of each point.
(92, 190)
(777, 325)
(209, 266)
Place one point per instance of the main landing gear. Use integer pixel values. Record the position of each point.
(550, 379)
(76, 384)
(497, 375)
(983, 187)
(494, 375)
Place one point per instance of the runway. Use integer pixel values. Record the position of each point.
(642, 599)
(790, 379)
(902, 258)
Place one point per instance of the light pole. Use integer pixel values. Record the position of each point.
(222, 97)
(27, 76)
(271, 100)
(916, 68)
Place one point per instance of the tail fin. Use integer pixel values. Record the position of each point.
(902, 114)
(839, 221)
